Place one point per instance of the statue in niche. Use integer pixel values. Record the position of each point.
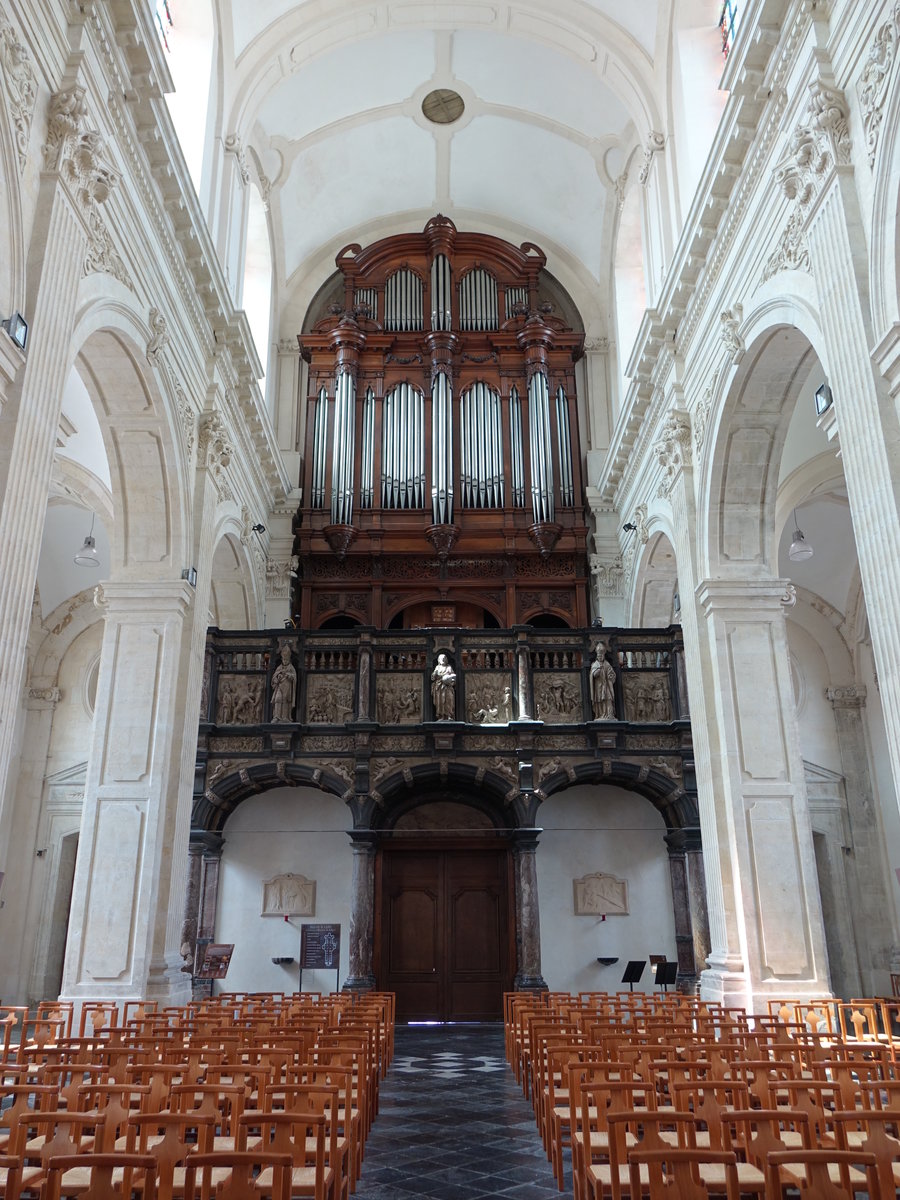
(284, 687)
(603, 686)
(225, 715)
(443, 689)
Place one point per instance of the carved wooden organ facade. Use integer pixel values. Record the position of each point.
(442, 469)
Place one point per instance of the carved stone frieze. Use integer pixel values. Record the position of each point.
(240, 700)
(502, 766)
(218, 768)
(557, 697)
(489, 698)
(235, 745)
(101, 255)
(792, 251)
(398, 699)
(496, 741)
(671, 767)
(380, 768)
(607, 577)
(328, 743)
(873, 85)
(646, 696)
(673, 450)
(341, 767)
(42, 696)
(652, 741)
(847, 695)
(402, 743)
(20, 84)
(567, 742)
(289, 895)
(329, 700)
(552, 766)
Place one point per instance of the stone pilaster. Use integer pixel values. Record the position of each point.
(870, 909)
(124, 937)
(362, 913)
(528, 911)
(75, 183)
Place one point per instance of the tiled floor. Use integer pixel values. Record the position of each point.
(453, 1123)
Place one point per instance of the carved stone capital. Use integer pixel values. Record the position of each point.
(278, 577)
(234, 145)
(847, 695)
(655, 142)
(42, 698)
(673, 450)
(608, 576)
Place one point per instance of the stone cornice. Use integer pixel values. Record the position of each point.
(750, 125)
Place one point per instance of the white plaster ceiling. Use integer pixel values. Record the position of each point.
(329, 95)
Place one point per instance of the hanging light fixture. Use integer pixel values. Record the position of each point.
(87, 555)
(800, 547)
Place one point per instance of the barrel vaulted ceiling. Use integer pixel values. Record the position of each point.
(328, 93)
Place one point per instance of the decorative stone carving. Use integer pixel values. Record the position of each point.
(557, 697)
(502, 766)
(284, 687)
(619, 187)
(608, 577)
(278, 577)
(730, 332)
(187, 418)
(673, 450)
(289, 895)
(329, 700)
(552, 767)
(379, 768)
(443, 689)
(101, 255)
(603, 686)
(338, 766)
(873, 84)
(215, 451)
(265, 188)
(597, 345)
(328, 744)
(700, 413)
(789, 599)
(398, 700)
(234, 145)
(646, 695)
(654, 143)
(236, 745)
(652, 741)
(600, 895)
(847, 695)
(489, 699)
(67, 111)
(159, 338)
(21, 86)
(239, 700)
(792, 251)
(48, 696)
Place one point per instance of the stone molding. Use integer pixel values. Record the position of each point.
(730, 334)
(673, 450)
(653, 145)
(215, 451)
(847, 695)
(159, 337)
(20, 86)
(873, 84)
(608, 576)
(278, 577)
(235, 146)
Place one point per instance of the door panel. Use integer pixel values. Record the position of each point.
(445, 938)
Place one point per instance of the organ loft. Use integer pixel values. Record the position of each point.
(443, 479)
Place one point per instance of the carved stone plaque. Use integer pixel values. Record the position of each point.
(600, 895)
(398, 699)
(289, 895)
(329, 700)
(647, 695)
(557, 697)
(489, 699)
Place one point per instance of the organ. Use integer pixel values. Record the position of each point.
(442, 477)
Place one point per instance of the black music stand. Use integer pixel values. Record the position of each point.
(633, 972)
(666, 975)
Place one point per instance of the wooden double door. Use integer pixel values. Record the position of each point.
(447, 944)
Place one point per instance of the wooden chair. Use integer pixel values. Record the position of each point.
(675, 1174)
(171, 1138)
(301, 1135)
(238, 1176)
(100, 1176)
(823, 1174)
(10, 1176)
(875, 1133)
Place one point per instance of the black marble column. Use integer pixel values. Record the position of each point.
(689, 902)
(210, 861)
(528, 912)
(362, 912)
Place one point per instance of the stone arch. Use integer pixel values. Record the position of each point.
(234, 601)
(677, 807)
(738, 492)
(148, 468)
(214, 806)
(656, 583)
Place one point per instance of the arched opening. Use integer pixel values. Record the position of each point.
(548, 620)
(656, 586)
(231, 600)
(340, 621)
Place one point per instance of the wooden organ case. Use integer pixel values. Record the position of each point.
(442, 478)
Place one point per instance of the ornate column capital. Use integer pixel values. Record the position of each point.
(673, 450)
(38, 699)
(847, 695)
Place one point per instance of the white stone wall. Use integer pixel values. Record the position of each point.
(588, 829)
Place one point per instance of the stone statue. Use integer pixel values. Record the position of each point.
(603, 685)
(443, 689)
(284, 687)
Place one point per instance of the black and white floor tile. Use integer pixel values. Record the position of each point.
(453, 1123)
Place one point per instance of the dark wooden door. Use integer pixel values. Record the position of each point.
(446, 944)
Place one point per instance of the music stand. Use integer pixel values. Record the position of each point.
(667, 975)
(633, 972)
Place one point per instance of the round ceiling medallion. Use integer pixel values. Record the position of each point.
(443, 106)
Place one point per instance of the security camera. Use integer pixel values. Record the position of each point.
(259, 528)
(628, 527)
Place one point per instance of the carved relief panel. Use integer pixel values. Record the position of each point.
(557, 697)
(489, 698)
(329, 700)
(240, 700)
(398, 699)
(647, 696)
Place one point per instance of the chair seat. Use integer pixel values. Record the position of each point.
(303, 1180)
(797, 1175)
(601, 1173)
(750, 1178)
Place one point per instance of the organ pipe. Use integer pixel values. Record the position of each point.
(320, 450)
(402, 448)
(566, 484)
(481, 448)
(517, 466)
(367, 457)
(478, 300)
(441, 293)
(342, 449)
(367, 297)
(403, 301)
(541, 460)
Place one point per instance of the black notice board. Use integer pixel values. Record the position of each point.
(320, 949)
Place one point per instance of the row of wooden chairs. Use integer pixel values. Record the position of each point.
(225, 1080)
(620, 1082)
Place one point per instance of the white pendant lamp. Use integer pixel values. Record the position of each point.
(800, 548)
(87, 555)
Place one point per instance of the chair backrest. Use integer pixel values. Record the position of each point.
(673, 1174)
(111, 1176)
(816, 1181)
(241, 1179)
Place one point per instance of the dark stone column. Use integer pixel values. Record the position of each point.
(211, 845)
(362, 912)
(528, 912)
(689, 902)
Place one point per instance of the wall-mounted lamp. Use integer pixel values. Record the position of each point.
(17, 328)
(257, 528)
(87, 555)
(800, 548)
(190, 574)
(629, 527)
(824, 399)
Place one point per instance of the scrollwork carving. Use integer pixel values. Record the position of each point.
(730, 331)
(21, 86)
(673, 450)
(873, 84)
